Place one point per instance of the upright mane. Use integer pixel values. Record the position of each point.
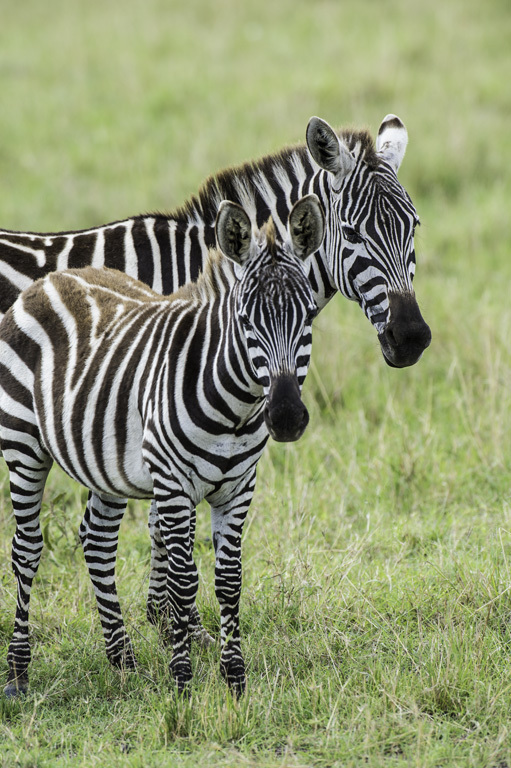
(212, 283)
(239, 183)
(218, 273)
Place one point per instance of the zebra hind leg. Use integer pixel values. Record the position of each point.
(99, 533)
(159, 611)
(27, 479)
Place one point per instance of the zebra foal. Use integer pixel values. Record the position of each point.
(138, 395)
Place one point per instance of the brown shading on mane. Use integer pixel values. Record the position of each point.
(218, 271)
(212, 282)
(269, 233)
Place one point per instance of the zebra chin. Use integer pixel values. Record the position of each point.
(406, 335)
(401, 361)
(285, 414)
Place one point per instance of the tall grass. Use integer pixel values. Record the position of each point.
(376, 603)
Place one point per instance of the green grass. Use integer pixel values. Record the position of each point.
(376, 608)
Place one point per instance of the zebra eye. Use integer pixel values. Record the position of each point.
(351, 235)
(245, 322)
(311, 314)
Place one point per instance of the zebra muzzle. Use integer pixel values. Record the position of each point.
(406, 335)
(285, 414)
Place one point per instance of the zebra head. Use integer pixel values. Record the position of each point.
(370, 232)
(275, 305)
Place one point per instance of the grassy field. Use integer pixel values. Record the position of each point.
(376, 610)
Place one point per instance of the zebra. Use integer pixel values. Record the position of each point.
(96, 373)
(367, 253)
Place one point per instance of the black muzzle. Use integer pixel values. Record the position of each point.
(406, 335)
(285, 414)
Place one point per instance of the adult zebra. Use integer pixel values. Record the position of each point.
(88, 353)
(367, 253)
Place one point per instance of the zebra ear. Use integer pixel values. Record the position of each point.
(392, 140)
(327, 149)
(306, 226)
(233, 231)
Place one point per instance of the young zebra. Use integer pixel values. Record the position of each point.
(137, 395)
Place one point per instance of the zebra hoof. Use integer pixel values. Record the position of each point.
(128, 663)
(235, 679)
(184, 689)
(12, 691)
(182, 674)
(124, 660)
(237, 685)
(183, 685)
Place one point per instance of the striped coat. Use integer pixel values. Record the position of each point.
(137, 395)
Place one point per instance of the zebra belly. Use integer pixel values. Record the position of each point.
(93, 452)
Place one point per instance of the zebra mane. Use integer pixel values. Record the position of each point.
(239, 183)
(212, 283)
(218, 273)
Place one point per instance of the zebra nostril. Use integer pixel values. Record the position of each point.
(425, 336)
(391, 336)
(413, 335)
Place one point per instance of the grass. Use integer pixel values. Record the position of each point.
(376, 622)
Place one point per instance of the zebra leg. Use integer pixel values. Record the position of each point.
(227, 525)
(27, 478)
(99, 532)
(174, 513)
(158, 603)
(197, 631)
(158, 607)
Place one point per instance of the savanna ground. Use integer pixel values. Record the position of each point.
(376, 609)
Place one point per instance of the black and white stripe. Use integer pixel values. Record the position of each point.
(367, 253)
(137, 395)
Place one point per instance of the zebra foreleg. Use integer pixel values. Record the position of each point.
(174, 512)
(227, 526)
(158, 603)
(99, 533)
(27, 485)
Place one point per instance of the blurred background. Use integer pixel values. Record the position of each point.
(112, 109)
(403, 477)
